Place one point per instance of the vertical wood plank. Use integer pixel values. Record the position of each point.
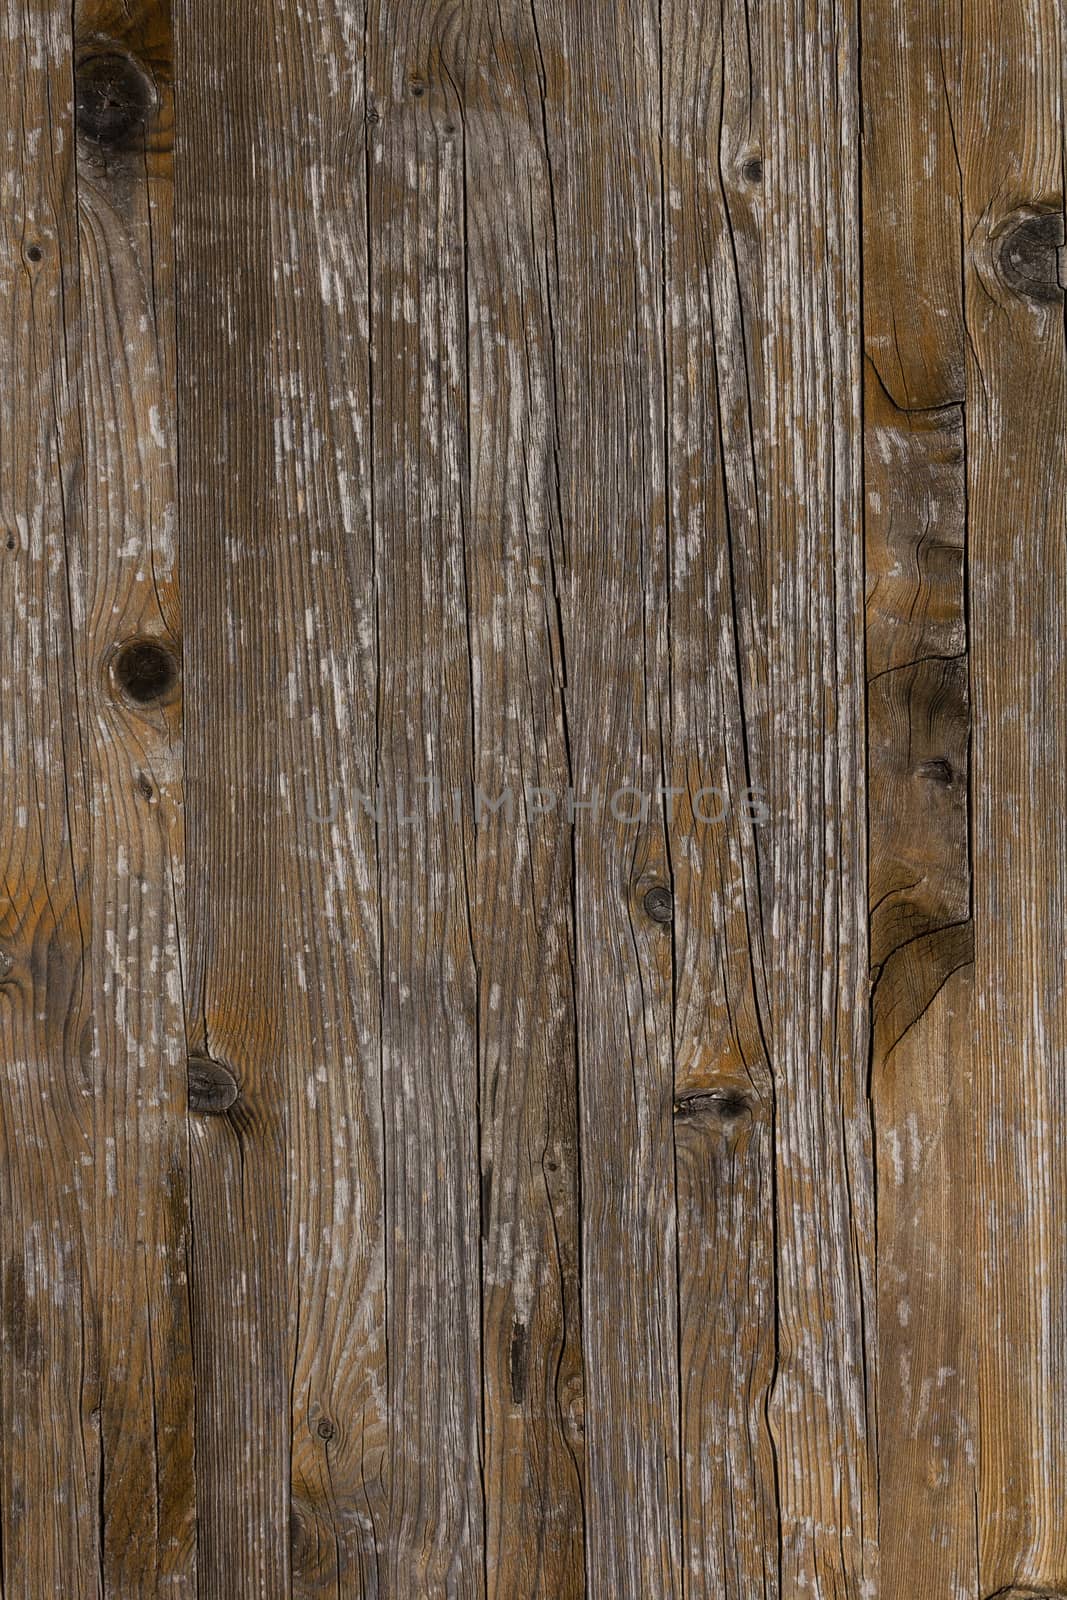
(724, 1102)
(326, 743)
(127, 635)
(430, 1020)
(821, 1409)
(912, 276)
(1013, 203)
(49, 1443)
(604, 134)
(234, 632)
(922, 947)
(506, 78)
(921, 933)
(285, 893)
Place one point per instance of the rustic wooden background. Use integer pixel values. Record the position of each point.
(400, 1202)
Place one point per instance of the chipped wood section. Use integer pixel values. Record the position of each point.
(533, 536)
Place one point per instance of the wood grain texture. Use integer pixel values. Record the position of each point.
(922, 946)
(912, 274)
(723, 1086)
(284, 889)
(49, 1352)
(1016, 469)
(822, 1406)
(919, 732)
(115, 1254)
(531, 668)
(123, 575)
(608, 186)
(522, 880)
(430, 1008)
(232, 568)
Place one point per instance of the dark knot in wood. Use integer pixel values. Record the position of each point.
(659, 903)
(113, 98)
(145, 671)
(1029, 256)
(937, 771)
(726, 1104)
(517, 1361)
(325, 1429)
(213, 1088)
(752, 169)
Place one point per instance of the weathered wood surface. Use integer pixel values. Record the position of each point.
(532, 647)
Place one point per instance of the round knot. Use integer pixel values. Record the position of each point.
(659, 903)
(145, 671)
(113, 98)
(213, 1088)
(1028, 256)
